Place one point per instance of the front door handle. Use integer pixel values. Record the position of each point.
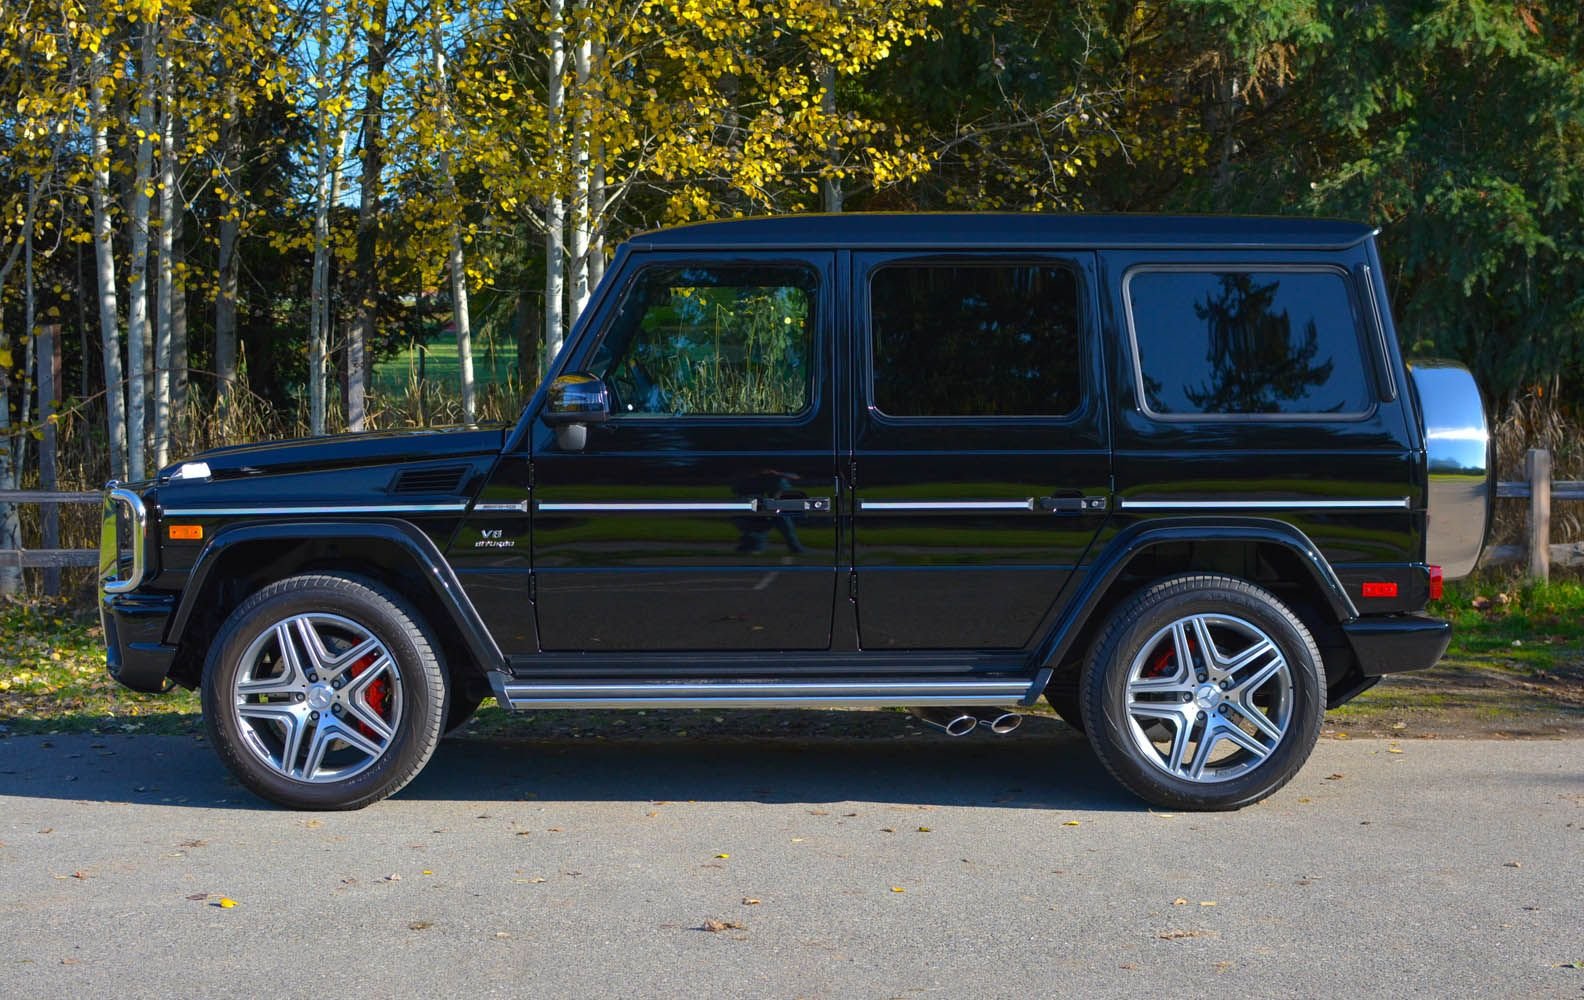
(767, 505)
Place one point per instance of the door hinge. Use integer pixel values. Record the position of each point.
(533, 588)
(852, 587)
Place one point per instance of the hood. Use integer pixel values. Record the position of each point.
(343, 451)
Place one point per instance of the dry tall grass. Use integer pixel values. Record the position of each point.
(83, 462)
(1538, 421)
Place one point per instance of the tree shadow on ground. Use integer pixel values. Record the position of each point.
(879, 757)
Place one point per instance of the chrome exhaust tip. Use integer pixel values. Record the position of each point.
(951, 721)
(997, 720)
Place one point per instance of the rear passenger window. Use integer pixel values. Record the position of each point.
(1237, 343)
(975, 340)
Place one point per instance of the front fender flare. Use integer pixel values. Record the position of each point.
(414, 544)
(1135, 538)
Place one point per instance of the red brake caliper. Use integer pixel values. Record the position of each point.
(376, 695)
(1161, 662)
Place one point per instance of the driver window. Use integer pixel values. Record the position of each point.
(712, 341)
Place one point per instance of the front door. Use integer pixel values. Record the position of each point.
(981, 467)
(700, 517)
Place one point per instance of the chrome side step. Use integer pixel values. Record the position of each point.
(814, 693)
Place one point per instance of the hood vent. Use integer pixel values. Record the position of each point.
(444, 479)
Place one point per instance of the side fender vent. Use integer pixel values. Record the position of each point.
(443, 479)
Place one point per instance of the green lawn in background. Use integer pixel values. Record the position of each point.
(494, 360)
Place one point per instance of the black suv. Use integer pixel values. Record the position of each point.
(1170, 473)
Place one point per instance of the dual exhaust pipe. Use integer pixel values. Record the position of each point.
(962, 721)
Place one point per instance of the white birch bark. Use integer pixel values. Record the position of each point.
(104, 261)
(581, 221)
(164, 259)
(459, 290)
(319, 293)
(137, 270)
(831, 186)
(555, 205)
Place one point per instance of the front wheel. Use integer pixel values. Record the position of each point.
(1203, 692)
(324, 692)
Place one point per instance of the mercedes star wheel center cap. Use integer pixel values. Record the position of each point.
(1206, 696)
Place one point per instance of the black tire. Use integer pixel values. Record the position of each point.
(1062, 695)
(1141, 637)
(460, 708)
(336, 610)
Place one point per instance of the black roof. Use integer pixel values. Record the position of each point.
(1002, 230)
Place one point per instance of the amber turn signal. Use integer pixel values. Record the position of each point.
(186, 532)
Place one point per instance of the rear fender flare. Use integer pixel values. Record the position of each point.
(1137, 538)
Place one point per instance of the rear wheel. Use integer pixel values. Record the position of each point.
(324, 692)
(1203, 692)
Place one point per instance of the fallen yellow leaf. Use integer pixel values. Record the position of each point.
(226, 902)
(723, 855)
(897, 888)
(1071, 822)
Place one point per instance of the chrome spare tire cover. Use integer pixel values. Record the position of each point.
(1458, 446)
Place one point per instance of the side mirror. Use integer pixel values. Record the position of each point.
(576, 400)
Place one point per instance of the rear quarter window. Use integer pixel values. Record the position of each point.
(1246, 343)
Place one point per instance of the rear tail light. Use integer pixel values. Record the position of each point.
(1380, 588)
(1437, 585)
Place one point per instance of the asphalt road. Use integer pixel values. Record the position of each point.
(905, 867)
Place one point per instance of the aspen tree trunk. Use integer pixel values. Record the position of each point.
(318, 299)
(178, 319)
(596, 195)
(596, 250)
(137, 270)
(104, 261)
(11, 450)
(164, 257)
(459, 291)
(581, 222)
(361, 333)
(831, 186)
(555, 207)
(226, 313)
(225, 356)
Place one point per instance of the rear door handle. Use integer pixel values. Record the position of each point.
(1070, 505)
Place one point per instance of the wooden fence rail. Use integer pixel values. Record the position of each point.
(1536, 487)
(49, 559)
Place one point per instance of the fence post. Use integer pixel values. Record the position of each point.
(48, 379)
(1537, 469)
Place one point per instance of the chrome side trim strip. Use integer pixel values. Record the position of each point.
(742, 506)
(1401, 503)
(947, 505)
(520, 507)
(411, 508)
(758, 694)
(110, 543)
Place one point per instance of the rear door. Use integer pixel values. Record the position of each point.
(700, 516)
(980, 461)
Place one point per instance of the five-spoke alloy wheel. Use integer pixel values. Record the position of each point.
(1203, 692)
(323, 692)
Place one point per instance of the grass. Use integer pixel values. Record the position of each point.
(53, 679)
(494, 361)
(1515, 668)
